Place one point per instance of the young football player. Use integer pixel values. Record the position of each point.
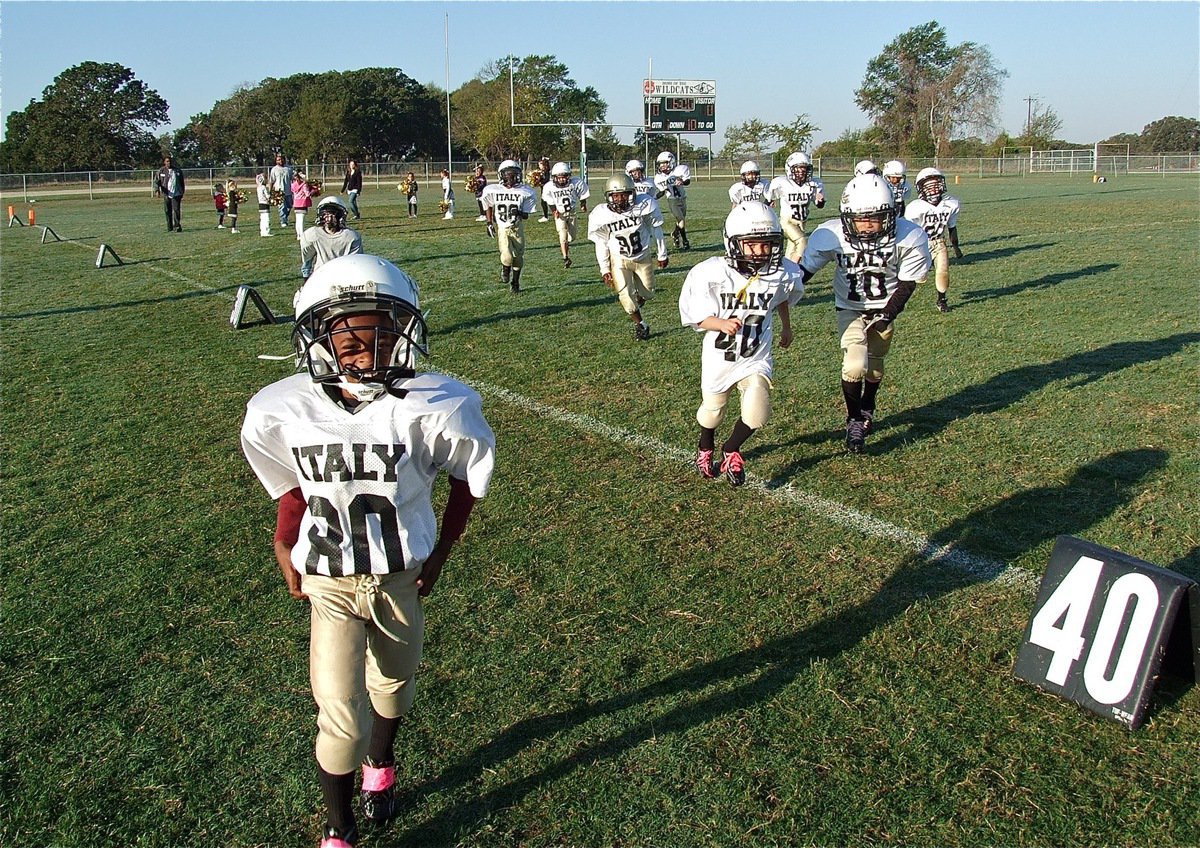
(789, 194)
(351, 449)
(936, 213)
(894, 172)
(866, 166)
(732, 299)
(626, 229)
(566, 196)
(878, 260)
(642, 184)
(331, 237)
(507, 204)
(669, 182)
(750, 186)
(539, 179)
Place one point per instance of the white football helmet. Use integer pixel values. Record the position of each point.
(636, 168)
(866, 166)
(619, 190)
(751, 221)
(665, 162)
(894, 168)
(359, 285)
(799, 166)
(931, 185)
(868, 197)
(331, 213)
(510, 173)
(750, 172)
(561, 174)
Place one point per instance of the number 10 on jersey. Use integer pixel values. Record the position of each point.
(1102, 627)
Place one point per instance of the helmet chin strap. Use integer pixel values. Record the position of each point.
(362, 392)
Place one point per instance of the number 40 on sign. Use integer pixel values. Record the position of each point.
(1105, 625)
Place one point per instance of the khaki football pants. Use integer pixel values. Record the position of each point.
(862, 350)
(797, 239)
(364, 648)
(941, 263)
(512, 244)
(755, 391)
(633, 278)
(565, 224)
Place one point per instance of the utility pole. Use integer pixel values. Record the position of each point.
(1028, 114)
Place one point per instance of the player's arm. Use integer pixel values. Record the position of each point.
(953, 231)
(896, 302)
(785, 323)
(728, 326)
(287, 531)
(660, 243)
(603, 258)
(459, 505)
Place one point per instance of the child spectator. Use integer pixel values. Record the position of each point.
(231, 202)
(264, 206)
(218, 193)
(302, 194)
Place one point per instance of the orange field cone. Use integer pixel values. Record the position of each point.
(11, 212)
(32, 216)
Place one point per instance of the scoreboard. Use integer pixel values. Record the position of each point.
(680, 106)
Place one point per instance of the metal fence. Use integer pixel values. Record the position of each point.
(388, 175)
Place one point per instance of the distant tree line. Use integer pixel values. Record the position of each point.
(925, 97)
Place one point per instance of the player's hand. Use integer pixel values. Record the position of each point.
(957, 252)
(878, 321)
(608, 281)
(431, 570)
(729, 326)
(662, 263)
(785, 337)
(283, 556)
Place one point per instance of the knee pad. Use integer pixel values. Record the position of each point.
(756, 401)
(711, 412)
(853, 366)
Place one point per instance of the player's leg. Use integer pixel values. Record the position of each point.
(796, 240)
(643, 291)
(679, 209)
(516, 238)
(564, 239)
(709, 416)
(755, 393)
(878, 345)
(852, 333)
(506, 257)
(941, 271)
(391, 683)
(625, 283)
(337, 648)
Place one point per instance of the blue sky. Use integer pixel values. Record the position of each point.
(1103, 68)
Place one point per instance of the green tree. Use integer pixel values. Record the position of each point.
(93, 115)
(751, 139)
(920, 86)
(796, 135)
(1041, 130)
(1172, 135)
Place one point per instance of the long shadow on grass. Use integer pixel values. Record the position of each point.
(531, 312)
(124, 304)
(1040, 283)
(999, 253)
(760, 674)
(1000, 392)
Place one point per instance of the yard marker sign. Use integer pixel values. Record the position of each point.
(1105, 625)
(245, 296)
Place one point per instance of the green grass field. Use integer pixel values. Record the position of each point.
(619, 654)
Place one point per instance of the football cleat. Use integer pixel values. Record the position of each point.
(378, 793)
(734, 468)
(334, 838)
(868, 420)
(675, 237)
(543, 219)
(566, 261)
(705, 464)
(942, 306)
(641, 331)
(856, 435)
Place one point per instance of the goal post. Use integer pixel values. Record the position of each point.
(1111, 158)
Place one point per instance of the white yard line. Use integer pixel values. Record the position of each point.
(175, 275)
(828, 510)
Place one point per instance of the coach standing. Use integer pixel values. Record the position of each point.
(281, 181)
(169, 184)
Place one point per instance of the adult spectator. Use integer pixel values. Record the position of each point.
(281, 181)
(169, 184)
(352, 185)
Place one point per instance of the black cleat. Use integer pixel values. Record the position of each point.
(706, 465)
(942, 306)
(641, 331)
(733, 468)
(856, 435)
(334, 838)
(868, 420)
(378, 794)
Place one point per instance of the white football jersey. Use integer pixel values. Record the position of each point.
(739, 191)
(508, 202)
(566, 199)
(899, 192)
(367, 475)
(629, 234)
(714, 288)
(934, 220)
(865, 279)
(645, 186)
(671, 184)
(791, 199)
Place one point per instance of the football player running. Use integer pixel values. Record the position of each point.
(790, 193)
(750, 186)
(936, 213)
(351, 448)
(565, 195)
(641, 182)
(669, 182)
(626, 229)
(878, 260)
(507, 204)
(732, 299)
(894, 172)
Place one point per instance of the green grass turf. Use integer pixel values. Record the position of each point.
(618, 653)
